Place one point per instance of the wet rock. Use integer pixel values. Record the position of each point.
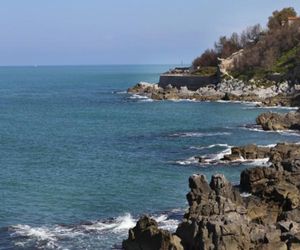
(147, 236)
(248, 152)
(220, 218)
(230, 90)
(276, 121)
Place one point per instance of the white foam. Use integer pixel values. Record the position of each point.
(245, 195)
(240, 102)
(259, 162)
(281, 132)
(188, 161)
(267, 146)
(44, 237)
(184, 100)
(165, 223)
(279, 107)
(207, 159)
(124, 223)
(209, 146)
(121, 223)
(199, 134)
(141, 98)
(215, 158)
(54, 237)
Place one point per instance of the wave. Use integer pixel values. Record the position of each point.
(209, 146)
(217, 158)
(240, 102)
(206, 159)
(97, 232)
(141, 98)
(287, 132)
(189, 161)
(184, 100)
(279, 107)
(198, 134)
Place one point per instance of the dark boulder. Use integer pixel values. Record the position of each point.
(147, 236)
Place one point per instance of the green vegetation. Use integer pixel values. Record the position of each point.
(272, 54)
(206, 71)
(284, 68)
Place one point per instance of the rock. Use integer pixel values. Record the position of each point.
(248, 152)
(220, 218)
(281, 94)
(147, 236)
(276, 121)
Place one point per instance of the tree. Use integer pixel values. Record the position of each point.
(208, 58)
(250, 35)
(279, 18)
(226, 46)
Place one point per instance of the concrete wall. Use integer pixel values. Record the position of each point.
(191, 82)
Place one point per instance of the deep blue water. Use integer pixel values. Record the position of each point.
(81, 159)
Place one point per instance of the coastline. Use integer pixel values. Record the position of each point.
(281, 94)
(267, 199)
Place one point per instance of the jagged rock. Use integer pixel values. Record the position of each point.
(276, 121)
(249, 152)
(215, 216)
(231, 90)
(220, 218)
(277, 153)
(147, 236)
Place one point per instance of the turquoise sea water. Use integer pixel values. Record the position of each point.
(81, 159)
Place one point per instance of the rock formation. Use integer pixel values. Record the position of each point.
(276, 121)
(146, 236)
(229, 90)
(221, 218)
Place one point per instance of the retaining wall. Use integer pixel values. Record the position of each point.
(191, 82)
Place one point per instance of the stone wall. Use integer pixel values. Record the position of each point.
(191, 82)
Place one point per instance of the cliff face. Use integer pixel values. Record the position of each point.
(227, 64)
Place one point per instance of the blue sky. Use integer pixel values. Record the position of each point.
(78, 32)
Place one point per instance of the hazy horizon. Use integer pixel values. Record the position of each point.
(64, 33)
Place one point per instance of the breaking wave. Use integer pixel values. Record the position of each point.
(217, 158)
(91, 235)
(141, 98)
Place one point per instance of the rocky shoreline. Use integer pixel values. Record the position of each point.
(281, 94)
(263, 212)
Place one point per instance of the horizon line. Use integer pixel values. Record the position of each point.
(89, 65)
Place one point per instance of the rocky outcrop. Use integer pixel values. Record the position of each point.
(276, 121)
(248, 152)
(275, 154)
(146, 236)
(221, 218)
(228, 90)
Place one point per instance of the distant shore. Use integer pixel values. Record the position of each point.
(280, 94)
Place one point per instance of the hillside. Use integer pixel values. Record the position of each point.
(270, 54)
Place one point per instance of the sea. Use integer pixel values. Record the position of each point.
(81, 160)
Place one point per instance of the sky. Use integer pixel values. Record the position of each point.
(92, 32)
